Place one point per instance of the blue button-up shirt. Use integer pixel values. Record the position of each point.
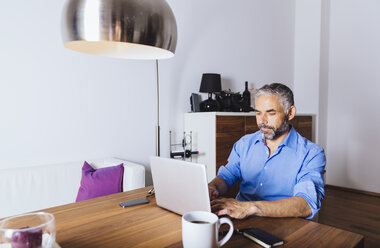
(295, 169)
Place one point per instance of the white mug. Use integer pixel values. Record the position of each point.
(200, 229)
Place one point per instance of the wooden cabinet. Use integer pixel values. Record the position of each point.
(230, 129)
(214, 134)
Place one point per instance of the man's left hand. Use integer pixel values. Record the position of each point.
(234, 208)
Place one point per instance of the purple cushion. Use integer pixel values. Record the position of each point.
(100, 182)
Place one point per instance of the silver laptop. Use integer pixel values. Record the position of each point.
(180, 186)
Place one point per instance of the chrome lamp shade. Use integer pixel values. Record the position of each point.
(131, 29)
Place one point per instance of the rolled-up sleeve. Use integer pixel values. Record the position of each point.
(310, 183)
(230, 173)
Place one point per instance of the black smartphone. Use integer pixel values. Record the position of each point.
(261, 237)
(133, 203)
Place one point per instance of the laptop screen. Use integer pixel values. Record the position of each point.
(180, 186)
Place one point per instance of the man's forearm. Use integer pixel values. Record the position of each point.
(288, 207)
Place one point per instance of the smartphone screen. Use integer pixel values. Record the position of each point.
(133, 203)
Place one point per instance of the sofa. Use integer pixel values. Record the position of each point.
(38, 187)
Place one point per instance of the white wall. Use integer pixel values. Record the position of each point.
(336, 76)
(353, 93)
(307, 51)
(324, 73)
(307, 55)
(57, 105)
(242, 40)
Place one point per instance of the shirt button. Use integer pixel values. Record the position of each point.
(261, 184)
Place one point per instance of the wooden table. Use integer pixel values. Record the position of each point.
(101, 222)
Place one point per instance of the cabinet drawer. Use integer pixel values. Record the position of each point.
(224, 145)
(302, 121)
(304, 126)
(226, 124)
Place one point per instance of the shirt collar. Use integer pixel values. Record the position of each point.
(259, 138)
(290, 140)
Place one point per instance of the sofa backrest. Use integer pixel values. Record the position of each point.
(134, 174)
(39, 187)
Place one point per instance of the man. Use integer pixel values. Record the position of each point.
(281, 172)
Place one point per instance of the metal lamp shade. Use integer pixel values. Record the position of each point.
(132, 29)
(211, 82)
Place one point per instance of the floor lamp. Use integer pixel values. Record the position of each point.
(130, 29)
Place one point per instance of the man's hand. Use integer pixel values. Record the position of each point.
(234, 208)
(213, 192)
(217, 188)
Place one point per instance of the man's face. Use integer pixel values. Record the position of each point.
(270, 116)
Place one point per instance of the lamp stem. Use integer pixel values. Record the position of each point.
(158, 112)
(210, 95)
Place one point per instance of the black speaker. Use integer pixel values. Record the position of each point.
(194, 102)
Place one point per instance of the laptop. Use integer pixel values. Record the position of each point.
(180, 186)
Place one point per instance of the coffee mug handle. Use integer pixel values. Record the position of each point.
(230, 232)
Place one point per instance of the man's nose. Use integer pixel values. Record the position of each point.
(264, 119)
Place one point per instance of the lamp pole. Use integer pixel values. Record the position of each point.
(158, 112)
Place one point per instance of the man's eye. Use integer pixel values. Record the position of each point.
(258, 113)
(272, 113)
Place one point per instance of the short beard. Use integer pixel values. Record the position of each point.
(277, 132)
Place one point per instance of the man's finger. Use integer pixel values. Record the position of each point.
(216, 207)
(221, 212)
(220, 200)
(216, 201)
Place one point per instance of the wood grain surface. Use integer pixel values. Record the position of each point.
(101, 222)
(352, 210)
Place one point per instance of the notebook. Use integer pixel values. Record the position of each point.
(180, 186)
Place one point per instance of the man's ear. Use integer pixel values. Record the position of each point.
(292, 112)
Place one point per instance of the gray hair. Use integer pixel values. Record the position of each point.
(282, 91)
